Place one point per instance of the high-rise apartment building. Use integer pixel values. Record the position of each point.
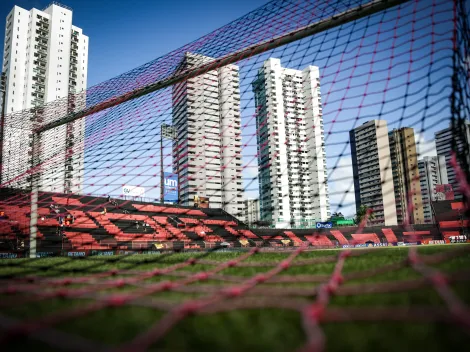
(444, 140)
(45, 58)
(408, 200)
(372, 169)
(207, 149)
(291, 151)
(252, 211)
(432, 172)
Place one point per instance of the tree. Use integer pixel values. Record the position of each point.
(337, 215)
(361, 213)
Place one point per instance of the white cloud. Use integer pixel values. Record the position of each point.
(341, 187)
(424, 147)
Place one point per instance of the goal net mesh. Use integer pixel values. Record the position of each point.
(296, 118)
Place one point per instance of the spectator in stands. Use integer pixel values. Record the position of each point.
(109, 198)
(2, 215)
(137, 225)
(104, 211)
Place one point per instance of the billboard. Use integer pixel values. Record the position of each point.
(443, 192)
(133, 191)
(324, 225)
(170, 189)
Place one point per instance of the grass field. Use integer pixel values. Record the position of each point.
(250, 329)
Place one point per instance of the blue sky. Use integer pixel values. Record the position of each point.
(353, 80)
(125, 34)
(361, 78)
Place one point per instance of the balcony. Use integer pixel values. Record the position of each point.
(39, 72)
(39, 84)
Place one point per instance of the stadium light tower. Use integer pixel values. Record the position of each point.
(168, 132)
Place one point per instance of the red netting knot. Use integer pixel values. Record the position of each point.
(337, 278)
(156, 272)
(188, 308)
(439, 279)
(315, 312)
(255, 250)
(332, 287)
(233, 292)
(345, 254)
(260, 278)
(11, 290)
(66, 282)
(284, 264)
(231, 263)
(113, 272)
(167, 285)
(117, 301)
(62, 293)
(191, 261)
(119, 283)
(201, 276)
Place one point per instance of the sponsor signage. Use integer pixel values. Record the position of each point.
(76, 254)
(380, 244)
(436, 242)
(133, 191)
(409, 243)
(9, 255)
(324, 225)
(458, 239)
(363, 245)
(102, 253)
(44, 254)
(170, 189)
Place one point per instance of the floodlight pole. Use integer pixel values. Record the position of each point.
(33, 225)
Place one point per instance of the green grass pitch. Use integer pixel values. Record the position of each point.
(270, 329)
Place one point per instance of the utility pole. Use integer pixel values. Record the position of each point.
(3, 89)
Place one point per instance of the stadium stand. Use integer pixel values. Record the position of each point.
(139, 225)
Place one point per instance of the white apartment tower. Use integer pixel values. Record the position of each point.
(372, 168)
(252, 211)
(432, 172)
(207, 149)
(45, 59)
(444, 140)
(291, 151)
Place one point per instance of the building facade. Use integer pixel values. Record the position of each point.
(252, 215)
(207, 148)
(372, 169)
(408, 199)
(444, 140)
(291, 151)
(45, 59)
(432, 172)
